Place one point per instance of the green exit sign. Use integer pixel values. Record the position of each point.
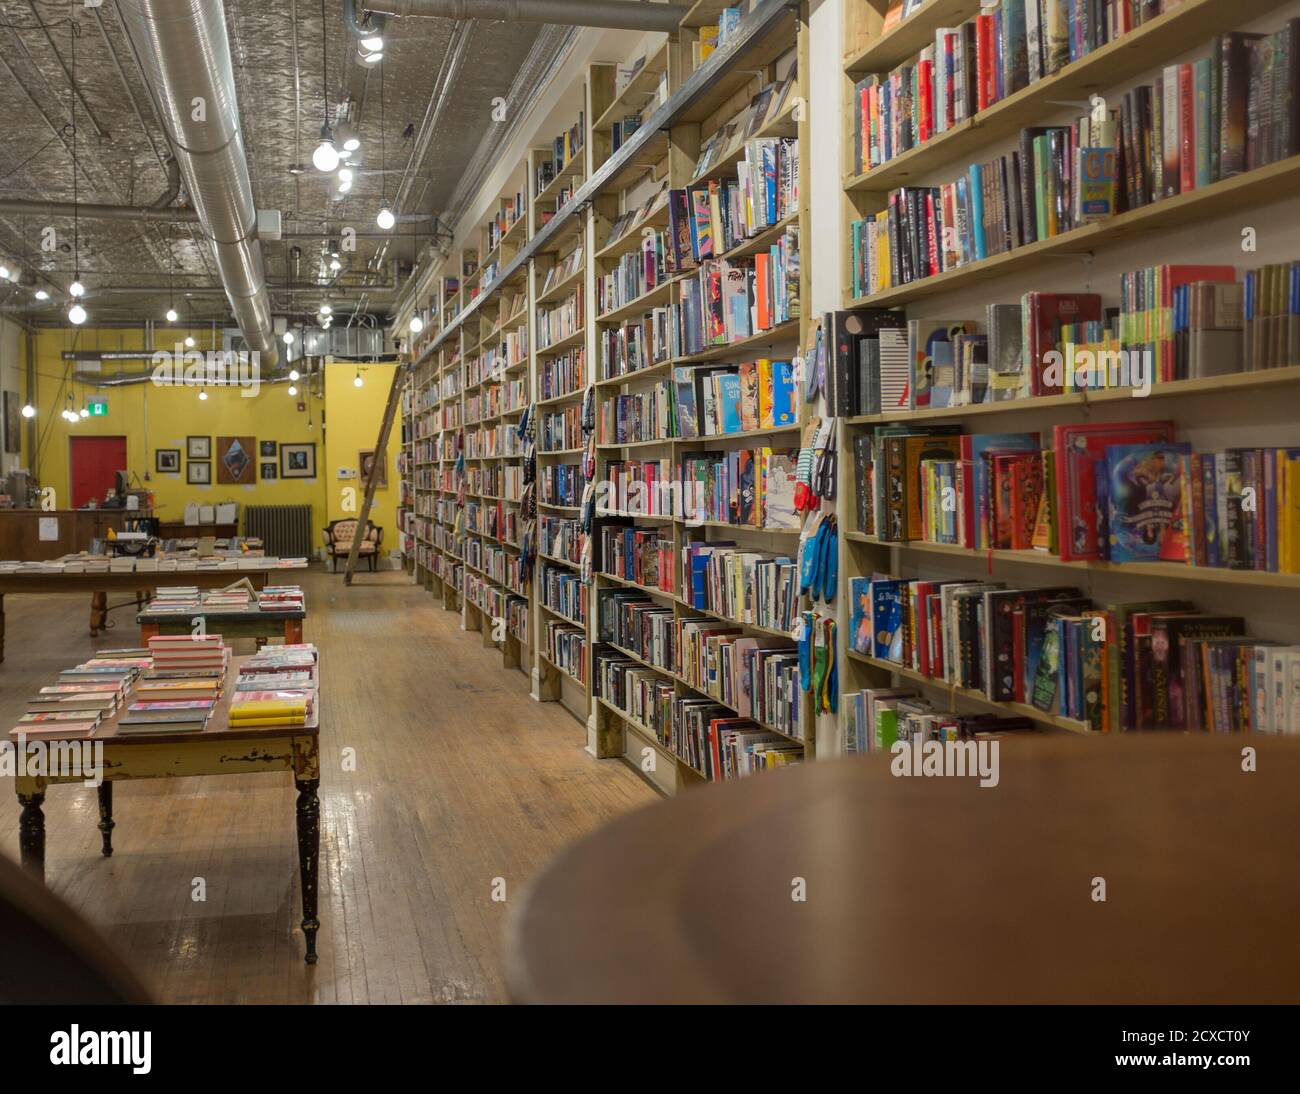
(97, 407)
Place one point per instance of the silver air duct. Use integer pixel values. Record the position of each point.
(616, 14)
(184, 53)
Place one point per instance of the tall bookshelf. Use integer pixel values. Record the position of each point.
(1203, 225)
(563, 236)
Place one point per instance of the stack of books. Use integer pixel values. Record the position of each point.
(177, 600)
(276, 687)
(81, 698)
(281, 598)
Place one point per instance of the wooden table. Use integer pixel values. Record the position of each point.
(217, 750)
(140, 584)
(933, 890)
(227, 622)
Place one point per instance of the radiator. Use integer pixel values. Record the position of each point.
(285, 530)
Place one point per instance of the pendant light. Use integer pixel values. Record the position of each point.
(357, 381)
(385, 219)
(171, 280)
(326, 156)
(76, 313)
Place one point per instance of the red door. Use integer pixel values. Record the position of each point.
(95, 460)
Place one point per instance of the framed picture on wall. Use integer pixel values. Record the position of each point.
(269, 471)
(13, 422)
(266, 449)
(236, 460)
(198, 472)
(297, 461)
(167, 461)
(198, 448)
(366, 460)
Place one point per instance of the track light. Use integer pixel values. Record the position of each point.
(76, 315)
(76, 289)
(385, 219)
(326, 157)
(171, 315)
(29, 411)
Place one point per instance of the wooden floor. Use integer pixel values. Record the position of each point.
(460, 779)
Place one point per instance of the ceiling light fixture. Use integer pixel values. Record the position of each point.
(84, 412)
(374, 43)
(203, 395)
(356, 381)
(416, 324)
(293, 390)
(325, 309)
(76, 313)
(371, 58)
(335, 265)
(345, 175)
(294, 374)
(76, 289)
(385, 219)
(171, 315)
(288, 338)
(41, 294)
(4, 271)
(326, 156)
(189, 341)
(29, 411)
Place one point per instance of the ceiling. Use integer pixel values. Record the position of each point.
(439, 79)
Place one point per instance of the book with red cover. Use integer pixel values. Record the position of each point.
(974, 469)
(1045, 315)
(1169, 278)
(1079, 448)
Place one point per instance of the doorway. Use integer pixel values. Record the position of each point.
(94, 462)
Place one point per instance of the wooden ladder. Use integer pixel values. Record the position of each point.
(376, 466)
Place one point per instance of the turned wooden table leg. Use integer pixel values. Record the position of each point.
(309, 859)
(98, 612)
(148, 631)
(292, 632)
(106, 822)
(31, 833)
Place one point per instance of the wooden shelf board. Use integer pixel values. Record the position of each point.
(634, 308)
(910, 36)
(639, 88)
(782, 332)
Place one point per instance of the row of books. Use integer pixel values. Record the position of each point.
(81, 697)
(565, 647)
(560, 430)
(636, 344)
(562, 271)
(277, 687)
(565, 148)
(739, 585)
(562, 374)
(1118, 492)
(563, 592)
(727, 300)
(876, 718)
(85, 563)
(1197, 124)
(512, 210)
(561, 538)
(768, 104)
(711, 218)
(562, 321)
(641, 555)
(560, 483)
(755, 678)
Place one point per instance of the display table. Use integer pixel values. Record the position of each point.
(140, 584)
(217, 750)
(934, 890)
(229, 623)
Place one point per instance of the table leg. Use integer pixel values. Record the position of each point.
(293, 632)
(31, 833)
(2, 626)
(98, 612)
(148, 631)
(309, 858)
(106, 822)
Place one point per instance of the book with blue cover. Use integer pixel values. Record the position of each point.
(784, 395)
(729, 399)
(861, 638)
(684, 388)
(887, 618)
(1144, 499)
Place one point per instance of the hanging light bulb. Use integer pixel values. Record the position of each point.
(293, 390)
(76, 289)
(203, 395)
(345, 174)
(350, 145)
(294, 374)
(41, 294)
(4, 271)
(344, 187)
(385, 219)
(84, 412)
(373, 57)
(29, 411)
(288, 338)
(374, 43)
(356, 380)
(189, 341)
(324, 309)
(76, 315)
(171, 315)
(326, 157)
(335, 265)
(416, 324)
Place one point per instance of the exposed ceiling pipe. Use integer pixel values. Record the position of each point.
(184, 53)
(173, 184)
(615, 14)
(151, 214)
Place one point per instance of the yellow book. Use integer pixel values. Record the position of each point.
(1291, 517)
(765, 420)
(268, 708)
(244, 723)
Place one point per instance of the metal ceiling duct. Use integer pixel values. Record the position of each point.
(184, 53)
(615, 14)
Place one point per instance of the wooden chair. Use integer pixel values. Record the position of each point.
(338, 541)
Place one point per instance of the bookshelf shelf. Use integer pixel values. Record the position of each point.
(562, 289)
(1134, 570)
(1282, 378)
(1260, 186)
(977, 698)
(660, 294)
(1165, 36)
(629, 241)
(642, 86)
(782, 332)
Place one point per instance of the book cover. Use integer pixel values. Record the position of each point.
(1145, 498)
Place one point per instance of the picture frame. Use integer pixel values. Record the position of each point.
(365, 458)
(236, 460)
(167, 461)
(198, 448)
(198, 472)
(298, 461)
(266, 449)
(269, 471)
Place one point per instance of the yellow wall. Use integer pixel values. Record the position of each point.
(152, 417)
(352, 419)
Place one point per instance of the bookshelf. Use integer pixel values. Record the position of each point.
(1199, 226)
